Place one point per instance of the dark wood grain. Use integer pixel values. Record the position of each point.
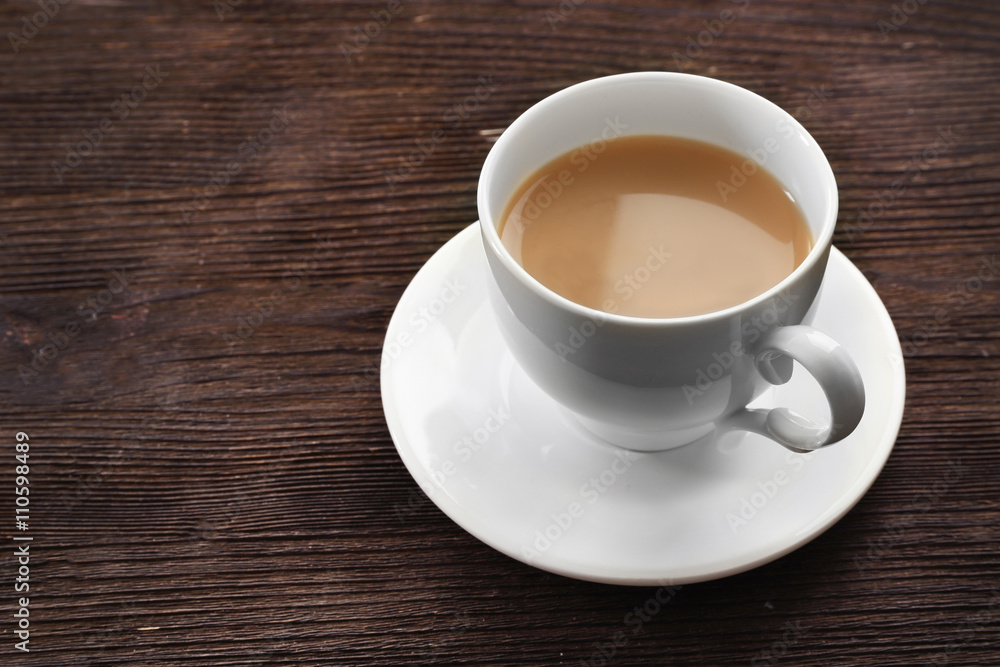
(199, 501)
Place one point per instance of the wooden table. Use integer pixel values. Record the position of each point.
(209, 212)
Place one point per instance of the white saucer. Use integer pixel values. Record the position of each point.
(503, 460)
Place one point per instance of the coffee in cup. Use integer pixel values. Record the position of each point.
(653, 226)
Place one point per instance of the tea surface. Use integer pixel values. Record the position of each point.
(655, 226)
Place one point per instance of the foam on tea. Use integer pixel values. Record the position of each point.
(655, 226)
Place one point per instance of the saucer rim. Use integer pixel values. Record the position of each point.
(476, 526)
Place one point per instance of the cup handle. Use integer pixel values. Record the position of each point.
(832, 367)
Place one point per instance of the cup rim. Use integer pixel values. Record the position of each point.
(491, 236)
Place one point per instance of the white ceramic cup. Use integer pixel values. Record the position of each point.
(653, 384)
